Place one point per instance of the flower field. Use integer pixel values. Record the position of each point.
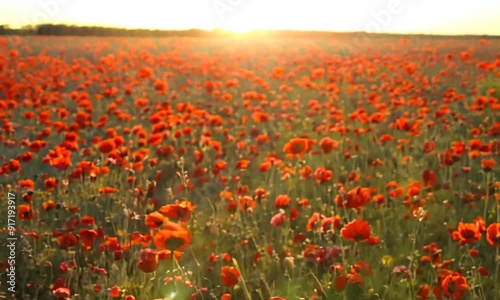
(246, 168)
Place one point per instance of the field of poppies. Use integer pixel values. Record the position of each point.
(246, 168)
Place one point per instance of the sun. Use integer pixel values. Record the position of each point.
(239, 28)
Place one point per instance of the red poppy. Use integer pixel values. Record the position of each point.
(87, 238)
(106, 146)
(328, 145)
(355, 198)
(298, 146)
(323, 175)
(282, 201)
(487, 164)
(454, 286)
(429, 146)
(356, 231)
(429, 177)
(181, 210)
(25, 212)
(115, 292)
(87, 220)
(67, 240)
(148, 260)
(230, 276)
(50, 183)
(493, 234)
(27, 183)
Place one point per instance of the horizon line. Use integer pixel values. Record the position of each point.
(218, 29)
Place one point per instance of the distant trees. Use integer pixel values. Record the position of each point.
(71, 30)
(53, 29)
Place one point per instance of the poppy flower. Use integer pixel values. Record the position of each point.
(48, 205)
(173, 237)
(322, 175)
(355, 198)
(181, 210)
(454, 286)
(87, 238)
(27, 183)
(115, 292)
(62, 292)
(25, 212)
(328, 144)
(106, 146)
(148, 260)
(154, 220)
(278, 219)
(315, 217)
(282, 201)
(466, 233)
(429, 177)
(108, 190)
(298, 146)
(423, 292)
(493, 234)
(67, 240)
(230, 276)
(487, 164)
(50, 183)
(87, 220)
(265, 166)
(429, 146)
(356, 231)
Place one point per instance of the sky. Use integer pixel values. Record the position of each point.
(387, 16)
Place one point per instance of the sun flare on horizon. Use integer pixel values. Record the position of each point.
(243, 16)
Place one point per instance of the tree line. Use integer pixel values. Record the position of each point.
(72, 30)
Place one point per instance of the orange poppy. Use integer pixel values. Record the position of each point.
(108, 190)
(115, 292)
(298, 146)
(466, 233)
(48, 205)
(487, 164)
(173, 237)
(27, 183)
(282, 201)
(181, 210)
(154, 220)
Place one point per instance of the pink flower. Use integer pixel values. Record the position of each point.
(278, 218)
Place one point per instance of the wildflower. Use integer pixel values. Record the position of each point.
(356, 231)
(466, 233)
(230, 276)
(493, 234)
